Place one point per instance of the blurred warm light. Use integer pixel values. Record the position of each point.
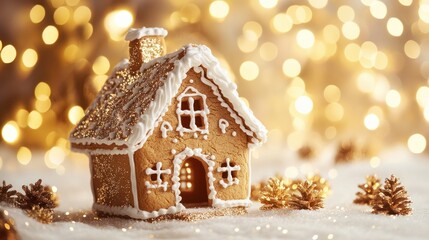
(378, 9)
(330, 133)
(412, 49)
(300, 14)
(35, 120)
(331, 33)
(23, 155)
(29, 58)
(281, 23)
(98, 81)
(252, 30)
(304, 104)
(249, 70)
(406, 2)
(37, 14)
(350, 30)
(374, 162)
(371, 121)
(8, 54)
(219, 9)
(381, 60)
(42, 91)
(318, 3)
(246, 45)
(22, 118)
(305, 38)
(291, 67)
(50, 35)
(296, 88)
(426, 113)
(422, 96)
(352, 51)
(101, 65)
(43, 106)
(82, 15)
(1, 163)
(393, 98)
(54, 157)
(268, 3)
(190, 13)
(346, 13)
(61, 15)
(70, 52)
(416, 143)
(268, 51)
(71, 3)
(424, 11)
(332, 93)
(366, 82)
(117, 23)
(334, 112)
(10, 132)
(395, 27)
(75, 114)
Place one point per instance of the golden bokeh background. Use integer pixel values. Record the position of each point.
(315, 72)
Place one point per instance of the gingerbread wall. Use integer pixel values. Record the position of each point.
(111, 180)
(222, 146)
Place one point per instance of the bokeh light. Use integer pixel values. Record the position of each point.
(50, 35)
(8, 54)
(10, 132)
(249, 70)
(219, 9)
(417, 143)
(23, 155)
(395, 27)
(291, 67)
(117, 22)
(29, 58)
(304, 104)
(305, 38)
(75, 114)
(37, 13)
(371, 121)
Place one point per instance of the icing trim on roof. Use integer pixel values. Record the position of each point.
(194, 56)
(136, 33)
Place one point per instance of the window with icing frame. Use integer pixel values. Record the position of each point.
(192, 111)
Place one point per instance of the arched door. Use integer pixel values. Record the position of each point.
(193, 183)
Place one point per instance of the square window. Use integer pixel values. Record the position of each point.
(198, 104)
(199, 121)
(185, 104)
(186, 121)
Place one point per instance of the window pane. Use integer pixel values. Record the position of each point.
(199, 121)
(186, 121)
(198, 103)
(185, 104)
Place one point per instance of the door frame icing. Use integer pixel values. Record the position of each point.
(178, 160)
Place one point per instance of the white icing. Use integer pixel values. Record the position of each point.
(137, 213)
(158, 171)
(234, 133)
(165, 128)
(229, 169)
(191, 81)
(195, 56)
(195, 135)
(133, 179)
(205, 137)
(189, 93)
(173, 151)
(137, 33)
(223, 124)
(178, 159)
(174, 140)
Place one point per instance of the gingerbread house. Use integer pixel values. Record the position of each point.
(167, 132)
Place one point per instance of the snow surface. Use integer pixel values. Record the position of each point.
(340, 219)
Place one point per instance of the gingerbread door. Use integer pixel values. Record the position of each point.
(193, 183)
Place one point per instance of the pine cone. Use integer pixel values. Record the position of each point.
(274, 194)
(40, 214)
(370, 190)
(322, 185)
(7, 195)
(346, 152)
(36, 195)
(256, 189)
(392, 199)
(306, 197)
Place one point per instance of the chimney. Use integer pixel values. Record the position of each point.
(145, 45)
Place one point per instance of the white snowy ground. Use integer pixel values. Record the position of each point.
(340, 219)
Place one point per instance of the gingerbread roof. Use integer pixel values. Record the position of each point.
(128, 107)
